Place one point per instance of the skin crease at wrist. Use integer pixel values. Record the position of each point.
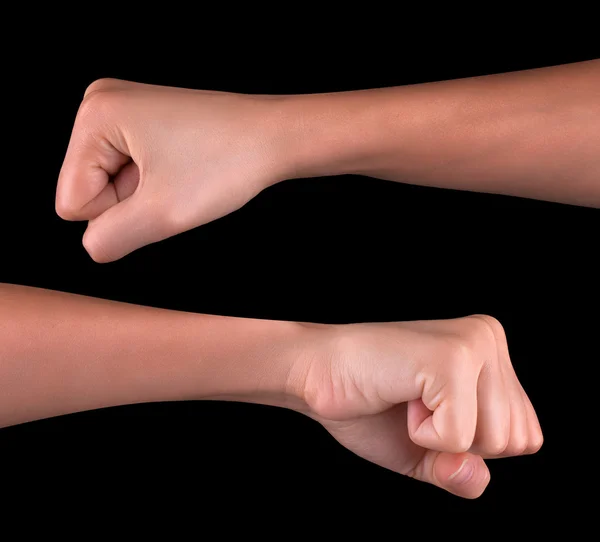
(532, 134)
(405, 395)
(139, 178)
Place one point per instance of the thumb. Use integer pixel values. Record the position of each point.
(120, 230)
(465, 475)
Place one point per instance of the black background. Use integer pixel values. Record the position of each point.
(340, 249)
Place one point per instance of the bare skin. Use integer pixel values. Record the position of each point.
(148, 162)
(427, 399)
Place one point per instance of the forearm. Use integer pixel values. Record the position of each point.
(63, 353)
(534, 133)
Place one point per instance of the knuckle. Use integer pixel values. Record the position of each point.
(417, 470)
(456, 437)
(461, 442)
(94, 248)
(64, 209)
(174, 219)
(494, 445)
(484, 324)
(66, 202)
(516, 446)
(167, 219)
(97, 103)
(459, 352)
(486, 337)
(535, 443)
(99, 85)
(460, 358)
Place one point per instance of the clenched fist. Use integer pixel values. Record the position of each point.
(147, 162)
(428, 399)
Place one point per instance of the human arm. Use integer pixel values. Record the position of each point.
(365, 383)
(62, 353)
(533, 133)
(179, 158)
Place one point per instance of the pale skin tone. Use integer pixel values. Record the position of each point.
(180, 158)
(427, 399)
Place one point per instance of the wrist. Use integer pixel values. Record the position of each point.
(250, 360)
(317, 135)
(310, 377)
(284, 364)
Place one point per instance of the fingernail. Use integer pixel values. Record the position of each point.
(463, 474)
